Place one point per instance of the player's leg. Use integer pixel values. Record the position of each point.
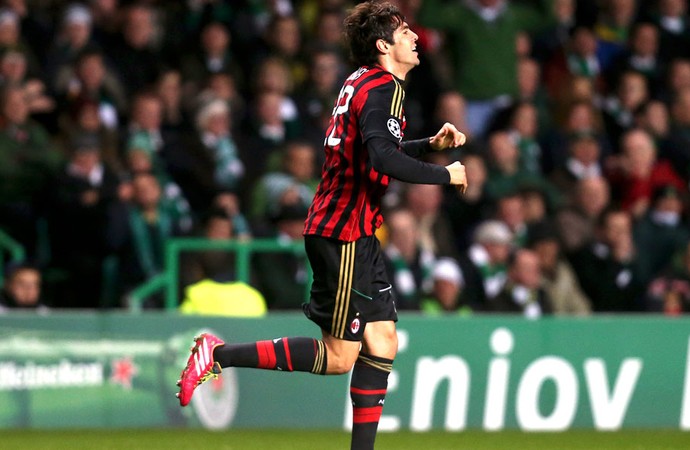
(326, 356)
(301, 354)
(375, 304)
(370, 381)
(333, 265)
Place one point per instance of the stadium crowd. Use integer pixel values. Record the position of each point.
(126, 123)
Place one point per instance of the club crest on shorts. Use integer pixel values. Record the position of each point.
(394, 128)
(354, 325)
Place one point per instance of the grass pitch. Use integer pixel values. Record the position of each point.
(326, 440)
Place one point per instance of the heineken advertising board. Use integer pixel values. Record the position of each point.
(492, 373)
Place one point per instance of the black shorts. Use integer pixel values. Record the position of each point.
(350, 286)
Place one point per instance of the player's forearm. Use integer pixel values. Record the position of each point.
(416, 148)
(387, 159)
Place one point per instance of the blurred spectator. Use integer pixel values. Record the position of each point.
(171, 158)
(531, 91)
(579, 58)
(576, 222)
(11, 38)
(654, 118)
(13, 72)
(613, 27)
(447, 288)
(316, 97)
(22, 289)
(137, 48)
(536, 207)
(678, 150)
(283, 40)
(558, 277)
(328, 29)
(28, 162)
(672, 20)
(579, 117)
(505, 173)
(466, 211)
(677, 79)
(608, 268)
(138, 234)
(669, 293)
(522, 292)
(490, 27)
(450, 107)
(550, 40)
(640, 56)
(434, 230)
(106, 18)
(72, 37)
(282, 277)
(216, 265)
(265, 133)
(89, 79)
(273, 75)
(523, 128)
(233, 299)
(583, 162)
(294, 183)
(216, 156)
(637, 172)
(169, 89)
(230, 204)
(408, 262)
(213, 54)
(84, 119)
(222, 86)
(661, 231)
(630, 94)
(484, 264)
(510, 210)
(82, 195)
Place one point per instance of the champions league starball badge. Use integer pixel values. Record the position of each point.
(394, 128)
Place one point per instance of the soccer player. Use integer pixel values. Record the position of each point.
(351, 297)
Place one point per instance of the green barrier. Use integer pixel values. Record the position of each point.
(243, 252)
(491, 373)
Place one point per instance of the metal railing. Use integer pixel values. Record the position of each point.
(13, 248)
(168, 279)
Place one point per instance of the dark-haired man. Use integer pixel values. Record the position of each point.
(351, 297)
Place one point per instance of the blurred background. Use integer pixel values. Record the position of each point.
(157, 159)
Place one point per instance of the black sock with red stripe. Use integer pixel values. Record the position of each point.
(368, 390)
(299, 354)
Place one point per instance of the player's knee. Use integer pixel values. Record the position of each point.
(340, 362)
(381, 341)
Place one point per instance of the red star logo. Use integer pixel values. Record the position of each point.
(122, 371)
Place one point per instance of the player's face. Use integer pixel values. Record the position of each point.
(404, 49)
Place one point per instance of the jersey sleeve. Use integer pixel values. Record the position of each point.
(381, 114)
(387, 159)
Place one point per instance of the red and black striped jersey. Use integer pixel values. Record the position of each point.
(347, 204)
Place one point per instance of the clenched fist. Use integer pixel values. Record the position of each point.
(458, 177)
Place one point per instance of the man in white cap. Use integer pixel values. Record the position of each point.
(448, 284)
(484, 264)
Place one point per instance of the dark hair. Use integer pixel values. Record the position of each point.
(13, 268)
(367, 23)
